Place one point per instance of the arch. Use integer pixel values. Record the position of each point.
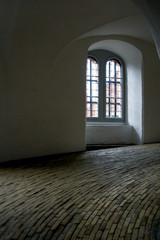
(92, 93)
(132, 57)
(114, 88)
(109, 90)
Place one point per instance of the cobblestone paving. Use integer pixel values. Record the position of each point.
(103, 194)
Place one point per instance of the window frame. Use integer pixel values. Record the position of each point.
(101, 57)
(98, 82)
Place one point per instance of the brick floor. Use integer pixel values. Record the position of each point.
(100, 194)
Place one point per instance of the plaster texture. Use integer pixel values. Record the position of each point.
(43, 51)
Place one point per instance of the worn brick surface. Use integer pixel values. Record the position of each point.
(102, 194)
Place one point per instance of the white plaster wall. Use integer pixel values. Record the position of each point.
(46, 114)
(45, 118)
(113, 134)
(43, 90)
(150, 9)
(135, 95)
(151, 96)
(4, 110)
(42, 71)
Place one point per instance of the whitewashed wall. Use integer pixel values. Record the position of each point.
(42, 69)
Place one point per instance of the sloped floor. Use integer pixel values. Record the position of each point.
(102, 194)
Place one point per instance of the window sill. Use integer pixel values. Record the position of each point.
(105, 124)
(108, 133)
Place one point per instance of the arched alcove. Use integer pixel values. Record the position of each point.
(132, 130)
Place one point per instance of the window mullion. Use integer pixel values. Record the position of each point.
(90, 88)
(101, 90)
(109, 88)
(115, 90)
(108, 103)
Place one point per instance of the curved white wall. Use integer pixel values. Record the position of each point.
(4, 133)
(150, 9)
(47, 114)
(42, 67)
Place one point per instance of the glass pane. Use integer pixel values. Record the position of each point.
(88, 110)
(112, 100)
(94, 71)
(118, 70)
(107, 110)
(107, 70)
(94, 110)
(94, 78)
(119, 101)
(87, 88)
(94, 89)
(88, 68)
(94, 86)
(87, 99)
(118, 90)
(107, 89)
(113, 65)
(94, 100)
(112, 90)
(112, 110)
(119, 111)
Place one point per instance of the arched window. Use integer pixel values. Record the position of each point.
(92, 88)
(104, 87)
(114, 89)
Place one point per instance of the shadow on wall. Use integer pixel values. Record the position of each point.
(136, 137)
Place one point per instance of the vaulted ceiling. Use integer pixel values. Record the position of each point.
(57, 23)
